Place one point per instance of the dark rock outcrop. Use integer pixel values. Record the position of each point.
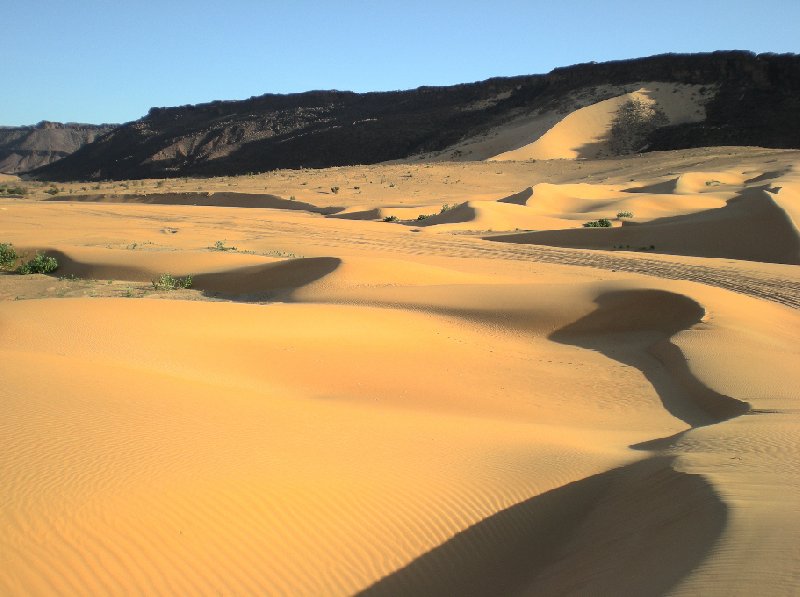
(756, 104)
(24, 148)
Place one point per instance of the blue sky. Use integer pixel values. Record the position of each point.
(111, 60)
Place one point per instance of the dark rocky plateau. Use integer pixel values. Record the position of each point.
(24, 148)
(757, 103)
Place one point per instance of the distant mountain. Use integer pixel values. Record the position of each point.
(24, 148)
(728, 98)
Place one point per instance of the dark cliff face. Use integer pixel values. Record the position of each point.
(24, 148)
(756, 105)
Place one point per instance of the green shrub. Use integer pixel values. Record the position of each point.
(601, 223)
(7, 255)
(170, 282)
(635, 120)
(446, 207)
(423, 216)
(52, 191)
(18, 190)
(41, 264)
(625, 214)
(220, 246)
(391, 219)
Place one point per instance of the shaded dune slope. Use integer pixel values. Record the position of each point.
(235, 276)
(634, 327)
(360, 214)
(520, 198)
(253, 281)
(736, 231)
(251, 200)
(578, 538)
(490, 215)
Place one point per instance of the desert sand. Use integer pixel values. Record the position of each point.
(489, 400)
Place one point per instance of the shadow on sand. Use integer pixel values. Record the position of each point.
(635, 530)
(634, 328)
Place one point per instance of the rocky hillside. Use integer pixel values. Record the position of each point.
(24, 148)
(747, 99)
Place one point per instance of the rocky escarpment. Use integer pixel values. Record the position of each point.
(755, 103)
(24, 148)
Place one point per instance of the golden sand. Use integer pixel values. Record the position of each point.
(486, 401)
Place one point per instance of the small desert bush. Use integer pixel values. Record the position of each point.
(601, 223)
(170, 282)
(52, 191)
(8, 190)
(390, 219)
(334, 190)
(40, 264)
(8, 256)
(635, 120)
(625, 214)
(220, 246)
(446, 207)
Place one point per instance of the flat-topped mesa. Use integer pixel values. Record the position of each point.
(24, 148)
(741, 99)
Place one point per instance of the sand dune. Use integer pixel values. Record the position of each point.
(489, 215)
(581, 200)
(735, 231)
(341, 405)
(548, 206)
(698, 182)
(171, 507)
(572, 540)
(379, 213)
(583, 133)
(787, 198)
(256, 280)
(251, 200)
(588, 115)
(217, 272)
(143, 266)
(470, 215)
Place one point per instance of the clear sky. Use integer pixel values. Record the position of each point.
(111, 60)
